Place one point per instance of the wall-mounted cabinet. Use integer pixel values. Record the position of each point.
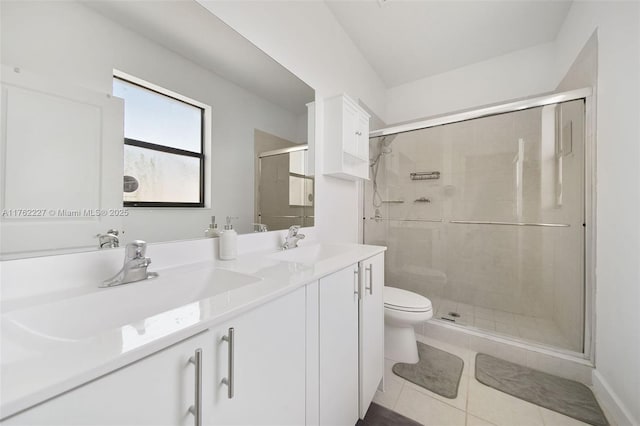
(346, 136)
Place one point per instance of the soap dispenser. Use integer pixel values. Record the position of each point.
(228, 241)
(212, 231)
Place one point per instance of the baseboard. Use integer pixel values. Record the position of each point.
(611, 404)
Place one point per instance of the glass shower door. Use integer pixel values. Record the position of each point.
(485, 217)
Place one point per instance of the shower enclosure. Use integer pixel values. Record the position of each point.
(284, 190)
(486, 218)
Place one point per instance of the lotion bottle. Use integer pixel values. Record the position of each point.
(212, 231)
(228, 241)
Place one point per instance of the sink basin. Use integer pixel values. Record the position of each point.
(87, 315)
(312, 254)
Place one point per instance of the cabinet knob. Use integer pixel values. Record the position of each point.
(359, 133)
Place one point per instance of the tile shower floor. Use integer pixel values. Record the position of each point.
(476, 404)
(540, 330)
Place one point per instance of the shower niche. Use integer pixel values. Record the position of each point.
(485, 217)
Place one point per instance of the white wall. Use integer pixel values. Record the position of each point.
(68, 41)
(306, 38)
(618, 190)
(515, 75)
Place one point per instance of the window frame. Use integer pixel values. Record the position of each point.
(169, 150)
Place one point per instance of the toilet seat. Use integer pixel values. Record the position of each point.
(398, 299)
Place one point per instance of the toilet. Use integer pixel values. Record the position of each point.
(402, 310)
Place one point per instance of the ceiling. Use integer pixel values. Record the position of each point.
(408, 40)
(186, 28)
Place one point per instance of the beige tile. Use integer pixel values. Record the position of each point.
(389, 375)
(476, 421)
(484, 324)
(503, 317)
(389, 397)
(551, 418)
(464, 308)
(500, 408)
(525, 321)
(484, 313)
(428, 411)
(459, 402)
(510, 329)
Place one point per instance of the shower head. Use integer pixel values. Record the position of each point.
(381, 147)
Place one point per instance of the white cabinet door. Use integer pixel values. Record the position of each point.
(371, 323)
(157, 390)
(346, 127)
(338, 324)
(268, 366)
(63, 160)
(350, 129)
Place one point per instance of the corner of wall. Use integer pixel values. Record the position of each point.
(612, 405)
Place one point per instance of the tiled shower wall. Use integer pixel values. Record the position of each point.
(504, 168)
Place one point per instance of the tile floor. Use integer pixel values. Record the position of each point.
(476, 404)
(540, 330)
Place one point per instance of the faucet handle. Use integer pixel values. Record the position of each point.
(136, 249)
(293, 230)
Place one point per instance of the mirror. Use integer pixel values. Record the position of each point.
(142, 120)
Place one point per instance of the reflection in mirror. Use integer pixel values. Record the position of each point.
(78, 169)
(285, 190)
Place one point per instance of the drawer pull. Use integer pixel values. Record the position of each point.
(229, 380)
(196, 409)
(370, 271)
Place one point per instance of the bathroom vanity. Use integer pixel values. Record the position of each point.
(289, 338)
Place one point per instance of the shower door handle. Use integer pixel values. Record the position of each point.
(369, 269)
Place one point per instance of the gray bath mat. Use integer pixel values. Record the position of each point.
(564, 396)
(437, 371)
(378, 415)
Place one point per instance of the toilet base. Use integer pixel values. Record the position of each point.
(400, 344)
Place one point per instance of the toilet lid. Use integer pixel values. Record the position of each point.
(403, 300)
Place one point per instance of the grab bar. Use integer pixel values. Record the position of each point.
(472, 222)
(480, 222)
(407, 220)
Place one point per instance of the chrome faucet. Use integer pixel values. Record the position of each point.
(109, 240)
(135, 266)
(291, 241)
(260, 227)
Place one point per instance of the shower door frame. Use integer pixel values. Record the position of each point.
(588, 95)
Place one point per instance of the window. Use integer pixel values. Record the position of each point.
(163, 148)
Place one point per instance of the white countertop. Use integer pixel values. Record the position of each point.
(38, 364)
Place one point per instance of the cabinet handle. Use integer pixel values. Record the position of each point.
(229, 381)
(356, 284)
(359, 133)
(196, 409)
(370, 271)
